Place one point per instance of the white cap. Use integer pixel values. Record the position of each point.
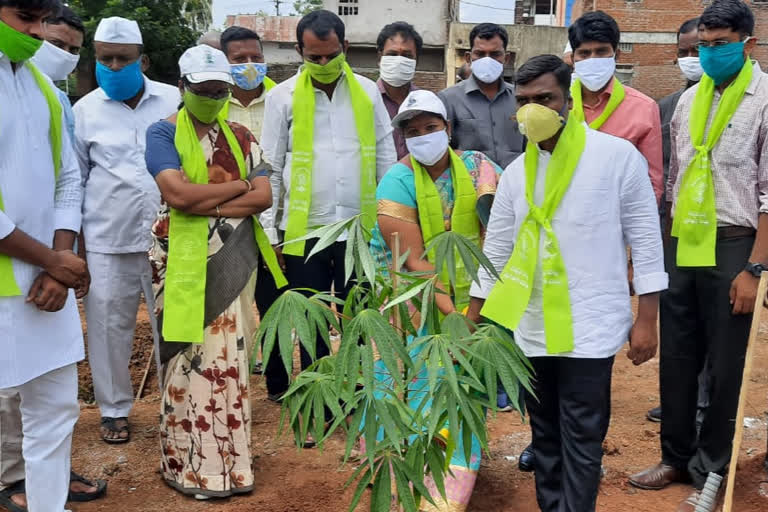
(118, 30)
(204, 63)
(417, 103)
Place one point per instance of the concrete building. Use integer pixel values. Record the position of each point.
(649, 38)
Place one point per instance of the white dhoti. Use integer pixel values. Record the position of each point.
(49, 410)
(117, 282)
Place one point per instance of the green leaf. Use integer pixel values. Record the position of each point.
(436, 465)
(382, 488)
(411, 292)
(362, 485)
(404, 493)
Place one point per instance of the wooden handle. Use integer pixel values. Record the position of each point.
(739, 433)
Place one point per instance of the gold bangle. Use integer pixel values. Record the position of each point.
(218, 210)
(250, 185)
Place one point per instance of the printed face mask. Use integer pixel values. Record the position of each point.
(596, 72)
(328, 73)
(428, 149)
(249, 76)
(123, 84)
(487, 69)
(203, 108)
(16, 45)
(538, 122)
(55, 62)
(397, 71)
(722, 62)
(691, 68)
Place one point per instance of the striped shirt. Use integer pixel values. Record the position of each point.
(739, 159)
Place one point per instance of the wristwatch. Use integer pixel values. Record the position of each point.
(756, 269)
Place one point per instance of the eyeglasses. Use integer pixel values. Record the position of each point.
(717, 44)
(214, 95)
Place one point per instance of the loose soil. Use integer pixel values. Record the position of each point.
(289, 480)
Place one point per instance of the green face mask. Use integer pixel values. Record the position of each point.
(17, 46)
(328, 73)
(203, 108)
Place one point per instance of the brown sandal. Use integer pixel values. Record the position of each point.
(110, 424)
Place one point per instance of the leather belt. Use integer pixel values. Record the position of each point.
(725, 232)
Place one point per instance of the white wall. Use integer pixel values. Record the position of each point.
(429, 17)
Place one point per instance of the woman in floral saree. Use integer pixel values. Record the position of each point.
(204, 258)
(431, 190)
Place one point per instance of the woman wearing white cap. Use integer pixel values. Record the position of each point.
(214, 182)
(432, 190)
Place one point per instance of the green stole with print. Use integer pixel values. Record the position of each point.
(185, 278)
(302, 164)
(509, 298)
(464, 219)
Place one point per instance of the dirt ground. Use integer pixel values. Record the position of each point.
(288, 480)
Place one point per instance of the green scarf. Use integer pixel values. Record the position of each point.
(8, 285)
(617, 96)
(695, 220)
(509, 299)
(464, 218)
(185, 276)
(303, 156)
(269, 84)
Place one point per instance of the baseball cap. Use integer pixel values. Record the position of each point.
(204, 63)
(417, 103)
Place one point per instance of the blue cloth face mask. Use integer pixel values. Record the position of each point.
(250, 75)
(722, 62)
(123, 84)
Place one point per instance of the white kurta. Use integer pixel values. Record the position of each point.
(33, 342)
(609, 205)
(336, 159)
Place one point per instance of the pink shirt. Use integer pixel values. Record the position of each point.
(637, 119)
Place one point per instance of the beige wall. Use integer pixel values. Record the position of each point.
(429, 17)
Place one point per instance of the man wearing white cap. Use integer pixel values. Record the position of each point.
(40, 200)
(120, 203)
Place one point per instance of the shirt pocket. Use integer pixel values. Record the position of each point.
(586, 208)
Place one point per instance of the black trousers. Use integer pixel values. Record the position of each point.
(697, 325)
(321, 272)
(569, 421)
(266, 295)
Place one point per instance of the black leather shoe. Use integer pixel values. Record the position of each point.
(527, 460)
(654, 415)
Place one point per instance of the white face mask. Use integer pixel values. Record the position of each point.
(596, 72)
(691, 68)
(396, 70)
(428, 149)
(487, 69)
(55, 62)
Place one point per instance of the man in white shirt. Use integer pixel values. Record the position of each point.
(120, 204)
(339, 189)
(608, 200)
(57, 58)
(40, 199)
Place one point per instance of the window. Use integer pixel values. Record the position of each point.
(348, 7)
(625, 72)
(625, 47)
